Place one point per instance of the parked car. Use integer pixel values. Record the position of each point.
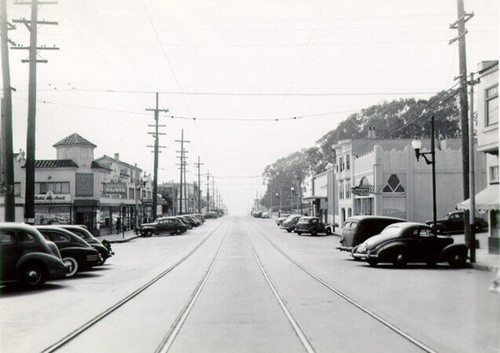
(75, 252)
(312, 225)
(265, 215)
(404, 242)
(280, 220)
(453, 222)
(27, 257)
(169, 225)
(211, 214)
(290, 222)
(104, 248)
(359, 228)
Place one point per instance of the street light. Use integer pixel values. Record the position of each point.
(278, 196)
(417, 145)
(292, 189)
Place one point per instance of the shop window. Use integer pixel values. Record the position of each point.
(492, 106)
(494, 175)
(394, 185)
(54, 187)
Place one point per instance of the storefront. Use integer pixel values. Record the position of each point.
(85, 213)
(53, 208)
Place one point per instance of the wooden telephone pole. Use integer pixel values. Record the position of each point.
(182, 164)
(198, 165)
(156, 151)
(32, 26)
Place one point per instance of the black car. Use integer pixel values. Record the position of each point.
(103, 248)
(453, 222)
(401, 243)
(312, 225)
(75, 251)
(290, 222)
(27, 257)
(357, 229)
(169, 225)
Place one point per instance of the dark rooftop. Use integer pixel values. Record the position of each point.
(55, 163)
(74, 139)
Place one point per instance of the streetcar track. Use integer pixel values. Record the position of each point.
(288, 312)
(171, 335)
(72, 335)
(350, 300)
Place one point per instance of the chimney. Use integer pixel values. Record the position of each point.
(117, 156)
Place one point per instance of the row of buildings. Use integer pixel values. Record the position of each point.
(382, 177)
(105, 194)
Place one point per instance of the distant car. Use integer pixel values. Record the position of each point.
(211, 214)
(75, 252)
(401, 243)
(357, 229)
(265, 215)
(170, 225)
(312, 225)
(290, 222)
(27, 257)
(104, 248)
(280, 220)
(454, 223)
(257, 214)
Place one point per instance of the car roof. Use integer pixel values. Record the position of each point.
(17, 225)
(409, 224)
(361, 217)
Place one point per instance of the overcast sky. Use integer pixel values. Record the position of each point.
(227, 69)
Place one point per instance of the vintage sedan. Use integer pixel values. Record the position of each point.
(312, 225)
(27, 257)
(169, 225)
(401, 243)
(290, 222)
(75, 252)
(104, 248)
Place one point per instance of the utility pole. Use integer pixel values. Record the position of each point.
(213, 192)
(459, 24)
(198, 165)
(156, 151)
(182, 164)
(32, 26)
(472, 181)
(6, 154)
(208, 191)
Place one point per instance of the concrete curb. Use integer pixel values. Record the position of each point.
(483, 267)
(123, 240)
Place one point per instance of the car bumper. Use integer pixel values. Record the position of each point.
(364, 256)
(345, 248)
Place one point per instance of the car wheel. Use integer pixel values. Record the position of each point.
(299, 233)
(431, 263)
(457, 260)
(400, 260)
(328, 231)
(73, 266)
(314, 232)
(372, 262)
(289, 230)
(33, 275)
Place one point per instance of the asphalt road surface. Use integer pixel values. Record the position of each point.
(240, 284)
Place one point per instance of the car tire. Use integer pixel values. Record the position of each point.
(314, 232)
(299, 233)
(289, 230)
(457, 260)
(73, 266)
(400, 260)
(372, 262)
(32, 275)
(328, 231)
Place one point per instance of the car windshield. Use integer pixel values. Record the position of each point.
(304, 220)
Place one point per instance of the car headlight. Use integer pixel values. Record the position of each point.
(362, 248)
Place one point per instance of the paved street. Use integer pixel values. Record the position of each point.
(240, 284)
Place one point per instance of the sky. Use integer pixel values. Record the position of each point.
(249, 81)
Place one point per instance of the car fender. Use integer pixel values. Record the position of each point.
(387, 251)
(451, 250)
(46, 259)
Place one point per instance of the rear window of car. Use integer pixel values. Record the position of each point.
(6, 237)
(391, 230)
(25, 238)
(304, 221)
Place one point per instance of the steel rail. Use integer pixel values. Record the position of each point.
(306, 342)
(344, 296)
(170, 337)
(72, 335)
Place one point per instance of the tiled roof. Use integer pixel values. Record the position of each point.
(74, 139)
(97, 165)
(55, 163)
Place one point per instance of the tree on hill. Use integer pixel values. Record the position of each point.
(397, 119)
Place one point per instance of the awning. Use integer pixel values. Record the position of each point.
(487, 199)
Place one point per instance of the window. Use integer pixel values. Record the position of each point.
(6, 238)
(341, 190)
(17, 189)
(394, 185)
(341, 163)
(492, 106)
(54, 187)
(348, 162)
(58, 237)
(494, 175)
(348, 189)
(25, 238)
(131, 193)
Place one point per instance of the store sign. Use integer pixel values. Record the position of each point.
(115, 188)
(363, 190)
(84, 184)
(52, 198)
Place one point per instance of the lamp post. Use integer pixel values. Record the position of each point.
(279, 197)
(417, 145)
(292, 189)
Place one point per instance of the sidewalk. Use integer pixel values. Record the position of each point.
(484, 260)
(120, 237)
